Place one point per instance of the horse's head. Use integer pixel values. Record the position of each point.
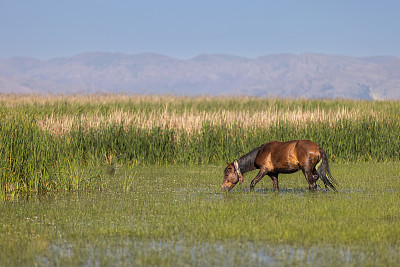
(232, 176)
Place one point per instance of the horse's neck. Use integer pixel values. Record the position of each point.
(246, 167)
(246, 162)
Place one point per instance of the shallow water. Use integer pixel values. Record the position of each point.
(133, 252)
(175, 216)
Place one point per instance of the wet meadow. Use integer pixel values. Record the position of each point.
(135, 180)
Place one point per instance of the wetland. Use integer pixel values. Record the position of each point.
(177, 215)
(116, 180)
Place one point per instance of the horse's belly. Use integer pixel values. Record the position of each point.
(286, 168)
(287, 171)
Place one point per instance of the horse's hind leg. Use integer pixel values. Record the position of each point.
(315, 174)
(274, 179)
(309, 174)
(260, 175)
(316, 177)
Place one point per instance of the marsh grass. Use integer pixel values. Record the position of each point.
(69, 143)
(176, 215)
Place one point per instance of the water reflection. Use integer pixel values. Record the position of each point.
(116, 252)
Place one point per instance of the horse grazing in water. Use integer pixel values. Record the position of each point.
(276, 157)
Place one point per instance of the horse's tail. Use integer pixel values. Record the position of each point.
(324, 172)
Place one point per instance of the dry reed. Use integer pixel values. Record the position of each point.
(193, 121)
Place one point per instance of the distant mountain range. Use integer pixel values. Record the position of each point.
(284, 75)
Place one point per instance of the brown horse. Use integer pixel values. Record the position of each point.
(276, 157)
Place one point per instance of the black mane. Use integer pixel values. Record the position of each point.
(246, 162)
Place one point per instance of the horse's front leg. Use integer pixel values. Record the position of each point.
(260, 175)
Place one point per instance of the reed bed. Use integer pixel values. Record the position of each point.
(193, 121)
(70, 142)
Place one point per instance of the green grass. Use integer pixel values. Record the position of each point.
(177, 215)
(117, 180)
(71, 143)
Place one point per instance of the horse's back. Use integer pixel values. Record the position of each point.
(286, 156)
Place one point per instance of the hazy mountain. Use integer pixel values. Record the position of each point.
(286, 75)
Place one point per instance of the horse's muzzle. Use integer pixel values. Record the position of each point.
(227, 187)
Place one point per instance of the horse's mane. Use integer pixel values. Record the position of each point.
(246, 162)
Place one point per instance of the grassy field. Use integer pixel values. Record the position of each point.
(118, 180)
(176, 215)
(64, 143)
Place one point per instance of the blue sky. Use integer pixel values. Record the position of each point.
(185, 29)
